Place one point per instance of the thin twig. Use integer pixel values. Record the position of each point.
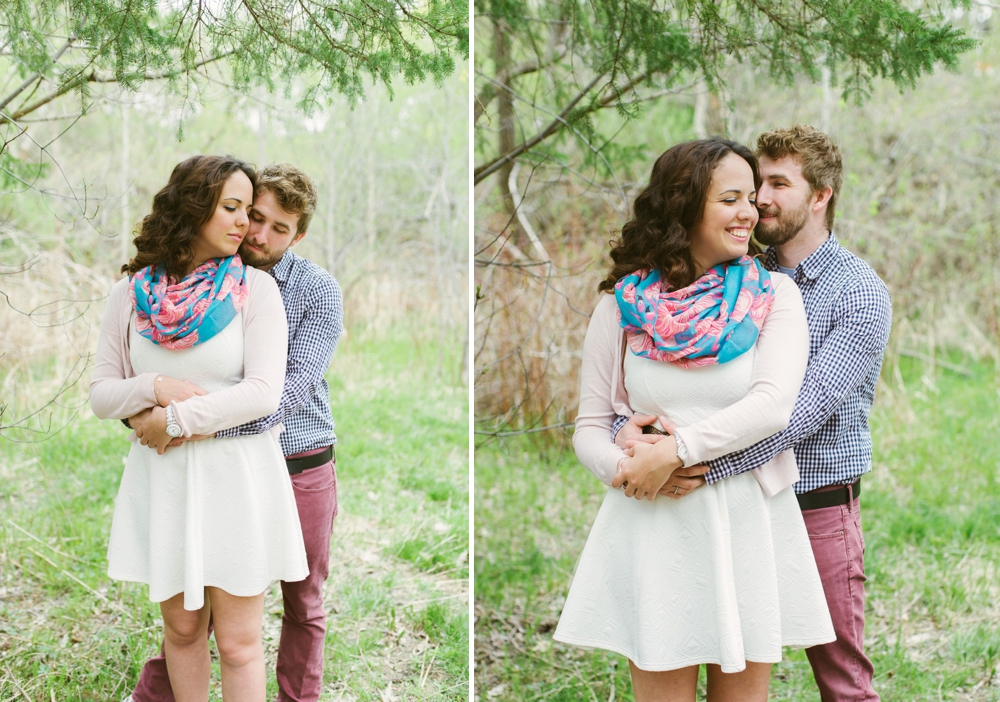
(502, 434)
(51, 548)
(84, 585)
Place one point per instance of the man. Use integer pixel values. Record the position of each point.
(849, 316)
(282, 209)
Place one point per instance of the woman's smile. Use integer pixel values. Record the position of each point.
(740, 233)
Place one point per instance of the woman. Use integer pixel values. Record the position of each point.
(208, 525)
(724, 576)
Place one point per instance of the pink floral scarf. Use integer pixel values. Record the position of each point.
(190, 312)
(713, 320)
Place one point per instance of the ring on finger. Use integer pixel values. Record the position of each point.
(676, 488)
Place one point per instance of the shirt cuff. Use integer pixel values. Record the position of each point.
(616, 427)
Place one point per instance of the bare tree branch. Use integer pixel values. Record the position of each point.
(554, 126)
(28, 81)
(489, 91)
(613, 95)
(501, 434)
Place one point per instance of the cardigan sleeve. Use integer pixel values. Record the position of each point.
(265, 350)
(601, 353)
(782, 352)
(115, 391)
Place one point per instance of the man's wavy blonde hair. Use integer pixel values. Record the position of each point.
(816, 153)
(292, 188)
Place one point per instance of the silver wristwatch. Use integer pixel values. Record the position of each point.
(682, 452)
(173, 428)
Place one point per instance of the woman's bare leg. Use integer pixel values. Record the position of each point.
(664, 686)
(749, 685)
(238, 622)
(185, 645)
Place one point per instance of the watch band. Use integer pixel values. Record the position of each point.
(173, 428)
(682, 452)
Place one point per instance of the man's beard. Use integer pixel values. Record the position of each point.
(789, 222)
(255, 259)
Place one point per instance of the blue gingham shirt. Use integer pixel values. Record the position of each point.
(849, 314)
(315, 311)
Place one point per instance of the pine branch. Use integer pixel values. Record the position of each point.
(94, 78)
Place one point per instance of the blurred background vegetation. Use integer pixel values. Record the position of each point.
(590, 104)
(98, 101)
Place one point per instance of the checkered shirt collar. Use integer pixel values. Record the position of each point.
(814, 264)
(283, 268)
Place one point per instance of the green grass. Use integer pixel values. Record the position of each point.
(931, 512)
(398, 591)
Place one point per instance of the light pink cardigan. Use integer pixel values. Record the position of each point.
(779, 367)
(116, 392)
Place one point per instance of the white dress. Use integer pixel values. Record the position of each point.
(723, 575)
(218, 512)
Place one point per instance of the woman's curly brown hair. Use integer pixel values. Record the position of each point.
(656, 238)
(188, 200)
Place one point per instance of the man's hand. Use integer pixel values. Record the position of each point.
(683, 481)
(153, 432)
(194, 437)
(631, 434)
(137, 421)
(168, 389)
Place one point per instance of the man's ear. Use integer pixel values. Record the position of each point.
(298, 238)
(822, 198)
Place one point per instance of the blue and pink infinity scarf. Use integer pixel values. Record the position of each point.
(193, 310)
(713, 320)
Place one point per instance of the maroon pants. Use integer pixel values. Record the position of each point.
(303, 625)
(842, 671)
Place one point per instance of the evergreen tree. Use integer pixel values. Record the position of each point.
(565, 60)
(57, 47)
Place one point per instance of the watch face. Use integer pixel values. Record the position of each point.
(173, 430)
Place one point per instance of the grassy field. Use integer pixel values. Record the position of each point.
(398, 592)
(932, 526)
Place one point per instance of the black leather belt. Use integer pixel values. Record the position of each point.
(297, 465)
(829, 498)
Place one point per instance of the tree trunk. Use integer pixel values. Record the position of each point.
(124, 185)
(501, 56)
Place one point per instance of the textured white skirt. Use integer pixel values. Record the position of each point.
(723, 575)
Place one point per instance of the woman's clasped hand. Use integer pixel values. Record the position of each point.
(653, 469)
(647, 468)
(151, 426)
(168, 389)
